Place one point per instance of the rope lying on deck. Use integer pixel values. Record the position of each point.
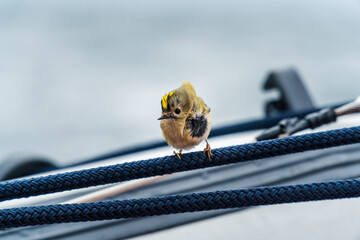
(215, 132)
(82, 212)
(171, 164)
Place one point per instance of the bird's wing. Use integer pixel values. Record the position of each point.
(201, 105)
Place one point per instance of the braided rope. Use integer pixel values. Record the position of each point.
(27, 216)
(215, 132)
(171, 164)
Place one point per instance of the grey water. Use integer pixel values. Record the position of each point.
(80, 78)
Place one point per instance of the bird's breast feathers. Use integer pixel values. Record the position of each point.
(189, 134)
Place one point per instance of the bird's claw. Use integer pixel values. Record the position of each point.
(207, 151)
(178, 154)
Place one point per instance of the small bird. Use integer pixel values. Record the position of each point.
(185, 119)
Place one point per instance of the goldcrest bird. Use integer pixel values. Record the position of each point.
(185, 119)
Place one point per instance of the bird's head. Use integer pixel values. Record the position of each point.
(175, 105)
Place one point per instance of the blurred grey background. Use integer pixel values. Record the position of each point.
(79, 78)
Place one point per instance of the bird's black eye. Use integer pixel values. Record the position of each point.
(177, 111)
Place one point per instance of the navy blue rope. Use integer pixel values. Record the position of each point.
(171, 164)
(215, 132)
(27, 216)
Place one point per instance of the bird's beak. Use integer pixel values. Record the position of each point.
(164, 116)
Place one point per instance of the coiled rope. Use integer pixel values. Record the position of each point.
(255, 124)
(171, 164)
(82, 212)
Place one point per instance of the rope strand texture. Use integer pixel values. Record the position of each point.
(28, 216)
(171, 164)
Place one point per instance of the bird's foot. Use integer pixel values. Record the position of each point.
(207, 150)
(178, 154)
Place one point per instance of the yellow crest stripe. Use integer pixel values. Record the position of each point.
(165, 99)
